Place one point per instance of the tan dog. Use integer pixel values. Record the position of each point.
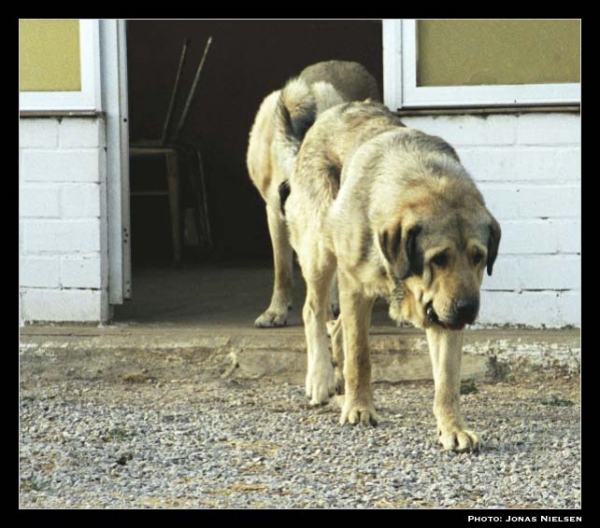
(394, 211)
(279, 127)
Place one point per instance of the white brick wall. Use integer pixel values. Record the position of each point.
(80, 272)
(78, 305)
(528, 168)
(63, 236)
(62, 232)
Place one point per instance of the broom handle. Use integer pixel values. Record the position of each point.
(174, 93)
(188, 103)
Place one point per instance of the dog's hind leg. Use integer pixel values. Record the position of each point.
(281, 300)
(445, 349)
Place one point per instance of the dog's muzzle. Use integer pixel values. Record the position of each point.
(464, 312)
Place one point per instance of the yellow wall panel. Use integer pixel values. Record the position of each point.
(492, 52)
(49, 56)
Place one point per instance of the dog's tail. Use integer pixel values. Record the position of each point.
(296, 113)
(297, 109)
(298, 106)
(300, 103)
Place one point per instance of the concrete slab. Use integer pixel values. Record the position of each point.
(200, 320)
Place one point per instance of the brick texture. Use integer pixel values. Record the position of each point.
(61, 222)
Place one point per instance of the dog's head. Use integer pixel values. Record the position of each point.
(437, 249)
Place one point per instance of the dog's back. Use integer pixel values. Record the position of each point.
(335, 134)
(286, 115)
(351, 79)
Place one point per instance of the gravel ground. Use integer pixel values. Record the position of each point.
(141, 442)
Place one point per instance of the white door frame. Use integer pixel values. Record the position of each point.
(113, 58)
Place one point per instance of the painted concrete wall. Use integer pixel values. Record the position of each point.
(528, 169)
(62, 224)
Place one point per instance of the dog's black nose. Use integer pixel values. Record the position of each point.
(466, 310)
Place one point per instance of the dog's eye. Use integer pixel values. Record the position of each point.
(477, 258)
(440, 260)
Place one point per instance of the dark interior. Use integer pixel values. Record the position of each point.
(246, 61)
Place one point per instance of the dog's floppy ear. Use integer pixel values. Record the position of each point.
(493, 243)
(399, 249)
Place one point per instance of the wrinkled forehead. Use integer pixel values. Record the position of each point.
(458, 228)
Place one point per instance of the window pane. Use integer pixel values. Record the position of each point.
(49, 56)
(492, 52)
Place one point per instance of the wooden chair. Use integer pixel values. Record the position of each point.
(173, 152)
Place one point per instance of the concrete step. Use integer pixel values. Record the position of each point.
(398, 354)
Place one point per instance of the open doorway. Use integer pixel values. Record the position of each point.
(246, 61)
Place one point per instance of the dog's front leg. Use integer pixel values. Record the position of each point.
(445, 349)
(319, 375)
(356, 319)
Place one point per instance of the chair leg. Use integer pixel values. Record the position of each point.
(172, 160)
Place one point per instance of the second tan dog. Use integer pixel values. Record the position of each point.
(395, 212)
(279, 127)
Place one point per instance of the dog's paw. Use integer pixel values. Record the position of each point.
(460, 441)
(356, 413)
(271, 319)
(320, 386)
